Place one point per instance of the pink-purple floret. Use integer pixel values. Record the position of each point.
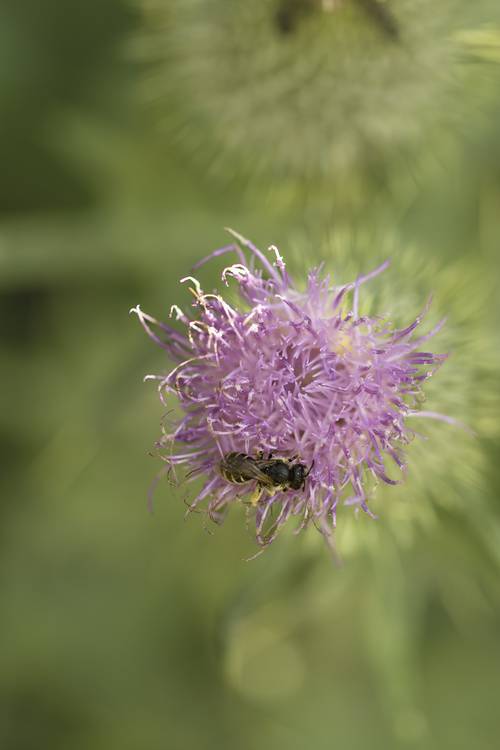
(298, 373)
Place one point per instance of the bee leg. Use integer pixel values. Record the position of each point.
(260, 489)
(256, 495)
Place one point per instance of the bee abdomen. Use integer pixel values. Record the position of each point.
(232, 467)
(233, 478)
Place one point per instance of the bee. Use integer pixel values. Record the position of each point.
(271, 474)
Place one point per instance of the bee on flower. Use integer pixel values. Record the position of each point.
(292, 401)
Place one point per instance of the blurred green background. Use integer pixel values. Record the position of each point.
(121, 629)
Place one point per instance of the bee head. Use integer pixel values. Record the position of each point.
(297, 475)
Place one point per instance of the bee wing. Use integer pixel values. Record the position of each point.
(245, 467)
(266, 463)
(252, 471)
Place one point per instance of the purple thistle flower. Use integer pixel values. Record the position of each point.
(296, 373)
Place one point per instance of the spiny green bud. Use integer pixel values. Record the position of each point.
(315, 91)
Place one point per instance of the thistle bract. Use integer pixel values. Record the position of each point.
(296, 372)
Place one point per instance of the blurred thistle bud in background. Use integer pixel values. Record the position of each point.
(293, 92)
(315, 374)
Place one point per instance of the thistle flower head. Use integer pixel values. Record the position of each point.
(298, 373)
